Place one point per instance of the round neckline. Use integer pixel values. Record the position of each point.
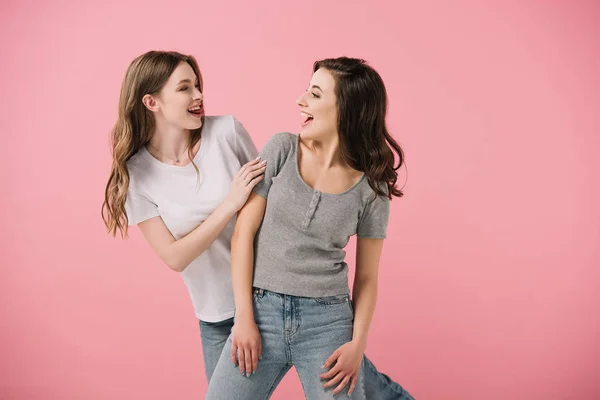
(161, 164)
(296, 155)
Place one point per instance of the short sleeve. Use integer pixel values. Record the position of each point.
(138, 208)
(244, 146)
(374, 221)
(275, 153)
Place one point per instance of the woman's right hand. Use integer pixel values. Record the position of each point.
(244, 181)
(246, 345)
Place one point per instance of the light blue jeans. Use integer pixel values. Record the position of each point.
(297, 331)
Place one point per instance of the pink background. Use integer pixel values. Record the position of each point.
(490, 279)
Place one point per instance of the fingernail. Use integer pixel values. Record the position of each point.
(253, 372)
(248, 375)
(235, 365)
(257, 158)
(260, 357)
(242, 371)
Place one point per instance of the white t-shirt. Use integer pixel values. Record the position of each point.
(185, 199)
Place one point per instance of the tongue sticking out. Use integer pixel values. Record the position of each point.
(307, 120)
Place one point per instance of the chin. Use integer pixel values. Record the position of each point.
(311, 134)
(194, 125)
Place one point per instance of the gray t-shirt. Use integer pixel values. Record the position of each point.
(299, 248)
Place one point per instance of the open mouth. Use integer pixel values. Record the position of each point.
(196, 111)
(307, 118)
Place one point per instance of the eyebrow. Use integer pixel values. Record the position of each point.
(185, 81)
(316, 87)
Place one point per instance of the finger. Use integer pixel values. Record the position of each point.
(248, 359)
(254, 360)
(258, 172)
(234, 348)
(352, 384)
(251, 162)
(246, 176)
(243, 170)
(260, 165)
(253, 175)
(255, 181)
(260, 350)
(241, 360)
(342, 385)
(330, 374)
(332, 358)
(336, 379)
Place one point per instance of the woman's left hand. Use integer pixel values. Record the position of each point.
(347, 359)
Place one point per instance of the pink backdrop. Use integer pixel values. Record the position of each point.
(490, 279)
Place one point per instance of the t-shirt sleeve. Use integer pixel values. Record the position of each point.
(275, 153)
(374, 221)
(138, 207)
(245, 150)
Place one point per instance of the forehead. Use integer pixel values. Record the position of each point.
(324, 79)
(183, 71)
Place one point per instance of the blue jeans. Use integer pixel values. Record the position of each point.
(301, 332)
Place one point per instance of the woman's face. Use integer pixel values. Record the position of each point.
(318, 107)
(180, 99)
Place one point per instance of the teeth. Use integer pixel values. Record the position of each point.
(194, 108)
(306, 115)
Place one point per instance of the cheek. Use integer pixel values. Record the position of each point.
(330, 118)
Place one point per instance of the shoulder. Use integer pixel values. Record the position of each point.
(284, 141)
(368, 195)
(223, 124)
(139, 169)
(223, 127)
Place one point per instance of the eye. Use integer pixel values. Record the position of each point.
(313, 94)
(183, 89)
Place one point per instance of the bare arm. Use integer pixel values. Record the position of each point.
(242, 254)
(246, 342)
(178, 254)
(364, 293)
(349, 356)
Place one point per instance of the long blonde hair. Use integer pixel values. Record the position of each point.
(147, 74)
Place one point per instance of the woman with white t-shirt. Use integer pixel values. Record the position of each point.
(182, 177)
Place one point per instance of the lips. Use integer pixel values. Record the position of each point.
(196, 111)
(307, 118)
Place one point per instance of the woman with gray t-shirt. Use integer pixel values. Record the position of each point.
(290, 281)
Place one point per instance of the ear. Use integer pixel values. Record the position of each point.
(150, 103)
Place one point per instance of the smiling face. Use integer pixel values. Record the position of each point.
(179, 101)
(318, 107)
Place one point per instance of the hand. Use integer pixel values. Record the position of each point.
(244, 181)
(347, 359)
(246, 346)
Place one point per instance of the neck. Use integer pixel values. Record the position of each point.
(327, 152)
(170, 141)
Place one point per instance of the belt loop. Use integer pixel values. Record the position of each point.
(259, 292)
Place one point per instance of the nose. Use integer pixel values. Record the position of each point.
(198, 94)
(301, 101)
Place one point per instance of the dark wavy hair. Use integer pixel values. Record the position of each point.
(365, 143)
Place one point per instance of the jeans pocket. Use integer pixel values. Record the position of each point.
(330, 300)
